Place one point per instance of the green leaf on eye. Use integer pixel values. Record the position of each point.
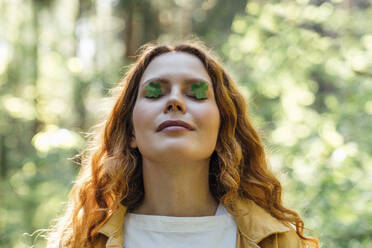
(153, 89)
(200, 90)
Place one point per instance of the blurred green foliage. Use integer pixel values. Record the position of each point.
(307, 69)
(304, 66)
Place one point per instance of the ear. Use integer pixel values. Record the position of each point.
(218, 148)
(133, 142)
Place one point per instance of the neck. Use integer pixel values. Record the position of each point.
(177, 190)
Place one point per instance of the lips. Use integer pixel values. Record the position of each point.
(174, 123)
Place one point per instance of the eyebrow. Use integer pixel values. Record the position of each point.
(166, 81)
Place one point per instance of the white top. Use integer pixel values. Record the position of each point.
(150, 231)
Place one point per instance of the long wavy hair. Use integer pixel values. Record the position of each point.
(111, 171)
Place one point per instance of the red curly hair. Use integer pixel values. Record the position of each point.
(111, 171)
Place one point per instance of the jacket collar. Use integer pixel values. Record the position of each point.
(254, 223)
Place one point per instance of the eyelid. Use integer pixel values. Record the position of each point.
(188, 87)
(200, 99)
(192, 96)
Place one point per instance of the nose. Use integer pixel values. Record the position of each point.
(175, 103)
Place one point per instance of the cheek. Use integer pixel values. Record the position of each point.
(209, 117)
(141, 116)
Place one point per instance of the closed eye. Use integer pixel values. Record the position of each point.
(150, 97)
(191, 96)
(198, 99)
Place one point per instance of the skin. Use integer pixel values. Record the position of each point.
(176, 164)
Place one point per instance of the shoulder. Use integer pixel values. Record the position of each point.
(288, 239)
(261, 228)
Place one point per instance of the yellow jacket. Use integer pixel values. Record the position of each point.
(256, 228)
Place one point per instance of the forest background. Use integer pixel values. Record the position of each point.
(304, 66)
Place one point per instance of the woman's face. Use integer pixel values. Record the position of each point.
(176, 72)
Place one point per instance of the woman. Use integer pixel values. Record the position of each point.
(177, 163)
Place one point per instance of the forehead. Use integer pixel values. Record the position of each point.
(175, 65)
